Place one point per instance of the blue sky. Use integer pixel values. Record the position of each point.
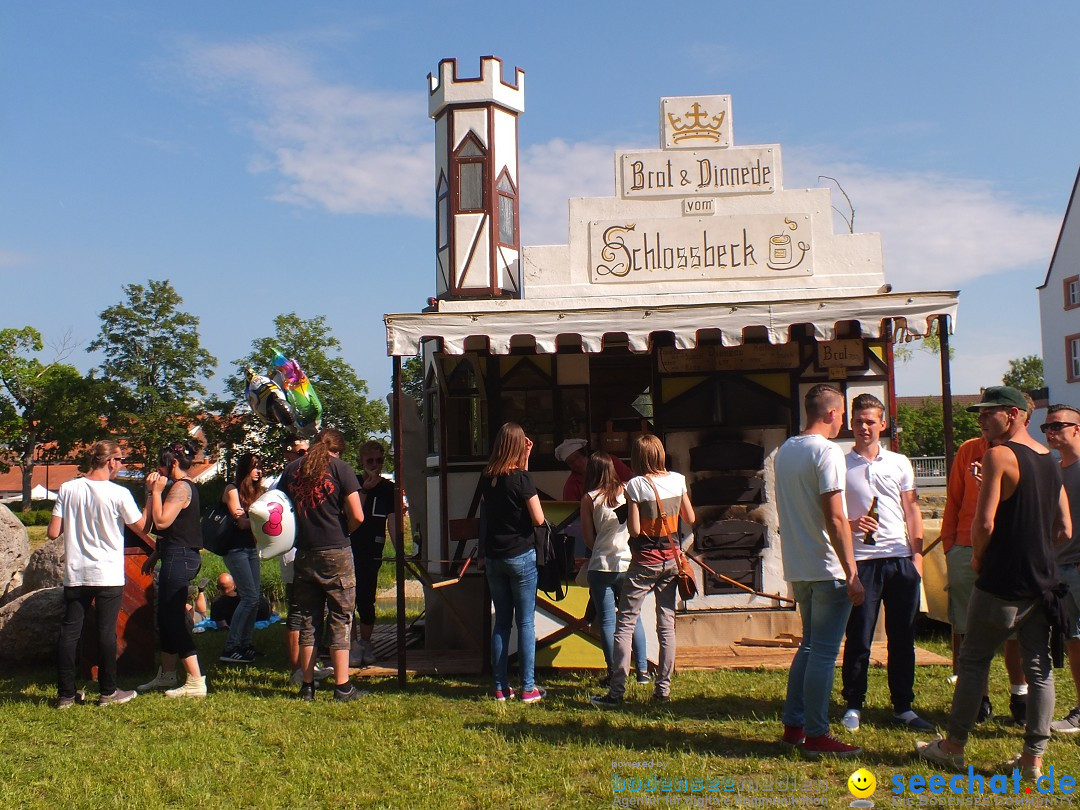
(276, 156)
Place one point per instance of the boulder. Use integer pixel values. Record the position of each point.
(46, 567)
(30, 626)
(14, 553)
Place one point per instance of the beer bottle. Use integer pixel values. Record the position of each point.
(868, 537)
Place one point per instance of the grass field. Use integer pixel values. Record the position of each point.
(442, 742)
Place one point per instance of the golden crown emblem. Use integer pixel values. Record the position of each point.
(698, 125)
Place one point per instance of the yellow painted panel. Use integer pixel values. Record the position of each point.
(675, 386)
(577, 651)
(778, 383)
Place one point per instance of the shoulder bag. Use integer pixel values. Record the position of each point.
(685, 575)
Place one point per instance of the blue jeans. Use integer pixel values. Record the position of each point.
(605, 588)
(512, 582)
(824, 607)
(246, 570)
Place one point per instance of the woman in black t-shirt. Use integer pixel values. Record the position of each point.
(175, 517)
(511, 510)
(242, 560)
(324, 494)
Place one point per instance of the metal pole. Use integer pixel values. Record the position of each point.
(946, 391)
(399, 514)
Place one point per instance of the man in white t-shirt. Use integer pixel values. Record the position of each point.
(888, 554)
(91, 514)
(815, 545)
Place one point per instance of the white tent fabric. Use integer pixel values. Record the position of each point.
(404, 333)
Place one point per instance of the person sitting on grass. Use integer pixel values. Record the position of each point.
(224, 606)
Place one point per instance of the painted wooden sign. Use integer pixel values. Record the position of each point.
(748, 357)
(693, 122)
(738, 170)
(728, 247)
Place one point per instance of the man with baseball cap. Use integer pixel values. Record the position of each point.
(574, 453)
(1021, 512)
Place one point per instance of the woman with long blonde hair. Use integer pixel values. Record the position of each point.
(507, 547)
(656, 498)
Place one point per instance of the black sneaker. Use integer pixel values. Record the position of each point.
(658, 698)
(1070, 724)
(307, 692)
(237, 657)
(252, 653)
(608, 701)
(1018, 709)
(350, 695)
(986, 711)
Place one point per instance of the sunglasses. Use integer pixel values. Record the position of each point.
(1055, 427)
(121, 459)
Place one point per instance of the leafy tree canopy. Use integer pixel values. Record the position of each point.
(1025, 373)
(343, 394)
(46, 409)
(923, 428)
(154, 357)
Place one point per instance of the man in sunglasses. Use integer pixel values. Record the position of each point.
(1062, 430)
(1021, 513)
(368, 541)
(91, 513)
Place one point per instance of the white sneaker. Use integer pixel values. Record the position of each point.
(321, 674)
(193, 687)
(160, 682)
(851, 719)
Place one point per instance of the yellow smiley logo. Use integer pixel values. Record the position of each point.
(862, 784)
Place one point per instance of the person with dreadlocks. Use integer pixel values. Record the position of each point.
(325, 494)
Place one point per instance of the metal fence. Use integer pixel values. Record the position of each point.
(929, 470)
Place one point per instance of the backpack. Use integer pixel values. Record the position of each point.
(554, 561)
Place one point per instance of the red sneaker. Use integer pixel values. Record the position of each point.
(827, 745)
(793, 736)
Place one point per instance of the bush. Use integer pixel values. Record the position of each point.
(35, 517)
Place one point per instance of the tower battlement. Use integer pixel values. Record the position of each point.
(489, 87)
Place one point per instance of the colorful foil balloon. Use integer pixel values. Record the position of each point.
(299, 391)
(268, 400)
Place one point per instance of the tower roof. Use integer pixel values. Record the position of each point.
(489, 87)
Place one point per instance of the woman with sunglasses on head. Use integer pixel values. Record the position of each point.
(507, 547)
(175, 516)
(242, 560)
(368, 542)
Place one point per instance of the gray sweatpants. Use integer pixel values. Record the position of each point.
(990, 621)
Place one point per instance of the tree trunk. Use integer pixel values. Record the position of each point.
(26, 464)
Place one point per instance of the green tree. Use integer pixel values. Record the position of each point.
(922, 429)
(412, 380)
(343, 394)
(154, 356)
(1025, 373)
(46, 409)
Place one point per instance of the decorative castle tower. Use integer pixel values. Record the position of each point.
(478, 237)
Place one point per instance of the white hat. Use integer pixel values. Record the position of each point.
(569, 447)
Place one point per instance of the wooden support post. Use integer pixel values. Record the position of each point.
(946, 392)
(399, 513)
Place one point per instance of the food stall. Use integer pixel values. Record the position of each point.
(698, 303)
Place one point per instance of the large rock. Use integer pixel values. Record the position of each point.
(46, 567)
(14, 553)
(30, 626)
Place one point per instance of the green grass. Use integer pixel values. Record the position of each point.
(442, 742)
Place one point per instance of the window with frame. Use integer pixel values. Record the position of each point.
(469, 163)
(442, 213)
(1072, 358)
(1071, 291)
(507, 210)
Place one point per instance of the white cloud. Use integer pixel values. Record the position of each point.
(334, 146)
(9, 258)
(552, 173)
(937, 231)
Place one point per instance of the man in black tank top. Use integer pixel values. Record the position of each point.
(1021, 513)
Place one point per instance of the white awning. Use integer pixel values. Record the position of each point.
(912, 312)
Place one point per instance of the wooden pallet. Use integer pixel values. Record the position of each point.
(742, 656)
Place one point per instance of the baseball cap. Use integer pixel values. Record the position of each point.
(1000, 396)
(569, 447)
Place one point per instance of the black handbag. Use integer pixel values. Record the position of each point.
(554, 561)
(218, 527)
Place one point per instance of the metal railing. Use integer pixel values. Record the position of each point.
(929, 470)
